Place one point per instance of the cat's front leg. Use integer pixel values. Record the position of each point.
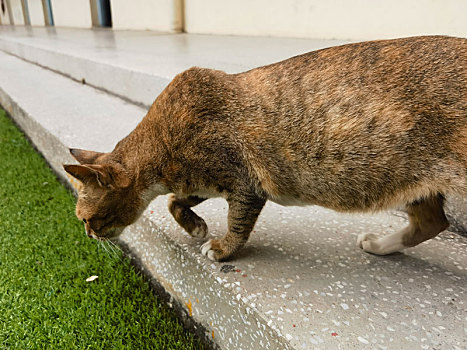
(186, 218)
(243, 212)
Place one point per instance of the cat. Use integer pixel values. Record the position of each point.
(359, 127)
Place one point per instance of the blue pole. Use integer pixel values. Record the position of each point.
(49, 12)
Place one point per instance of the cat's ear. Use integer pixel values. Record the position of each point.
(81, 172)
(101, 175)
(83, 156)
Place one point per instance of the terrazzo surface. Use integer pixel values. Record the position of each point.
(302, 276)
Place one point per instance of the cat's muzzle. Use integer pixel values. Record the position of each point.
(109, 234)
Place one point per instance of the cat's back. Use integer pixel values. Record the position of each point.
(411, 69)
(361, 121)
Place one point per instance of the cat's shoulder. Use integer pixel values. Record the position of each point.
(196, 76)
(203, 88)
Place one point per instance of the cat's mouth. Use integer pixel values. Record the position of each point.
(94, 236)
(104, 236)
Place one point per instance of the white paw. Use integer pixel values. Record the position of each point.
(199, 232)
(207, 251)
(368, 242)
(389, 244)
(365, 237)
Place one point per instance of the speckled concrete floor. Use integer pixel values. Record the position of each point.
(300, 283)
(303, 276)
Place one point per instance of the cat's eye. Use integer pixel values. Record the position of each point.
(85, 221)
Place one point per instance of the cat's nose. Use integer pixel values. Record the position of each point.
(92, 235)
(89, 233)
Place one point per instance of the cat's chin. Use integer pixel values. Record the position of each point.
(98, 238)
(113, 233)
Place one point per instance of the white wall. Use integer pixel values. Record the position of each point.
(161, 15)
(72, 13)
(36, 13)
(341, 19)
(17, 12)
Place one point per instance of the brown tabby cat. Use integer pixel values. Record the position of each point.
(359, 127)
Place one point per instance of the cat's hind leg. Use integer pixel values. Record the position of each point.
(186, 218)
(243, 212)
(426, 220)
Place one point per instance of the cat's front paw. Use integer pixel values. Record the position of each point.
(199, 229)
(214, 251)
(194, 225)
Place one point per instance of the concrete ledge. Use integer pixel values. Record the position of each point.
(138, 65)
(129, 84)
(300, 282)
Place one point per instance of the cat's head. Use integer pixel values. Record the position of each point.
(107, 200)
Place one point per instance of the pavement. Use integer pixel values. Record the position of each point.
(300, 282)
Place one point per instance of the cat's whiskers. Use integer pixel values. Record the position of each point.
(114, 248)
(101, 245)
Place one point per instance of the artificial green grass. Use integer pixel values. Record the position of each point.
(45, 258)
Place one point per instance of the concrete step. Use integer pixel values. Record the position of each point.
(300, 283)
(138, 65)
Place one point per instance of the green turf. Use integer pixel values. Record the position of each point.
(45, 258)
